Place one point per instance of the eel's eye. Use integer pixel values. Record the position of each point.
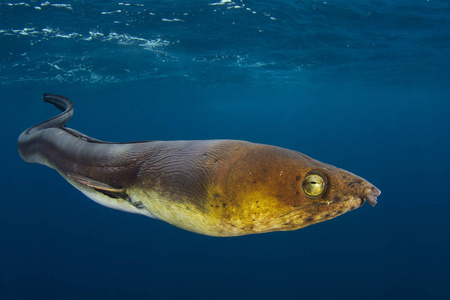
(314, 185)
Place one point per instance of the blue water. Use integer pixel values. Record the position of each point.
(363, 85)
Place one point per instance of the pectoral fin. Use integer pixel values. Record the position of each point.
(105, 189)
(101, 187)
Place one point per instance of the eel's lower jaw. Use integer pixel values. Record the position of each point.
(372, 200)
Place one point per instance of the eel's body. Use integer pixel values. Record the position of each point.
(212, 187)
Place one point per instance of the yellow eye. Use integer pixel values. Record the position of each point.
(314, 185)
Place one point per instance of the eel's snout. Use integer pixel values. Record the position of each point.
(370, 194)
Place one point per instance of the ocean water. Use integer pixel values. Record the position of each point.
(363, 85)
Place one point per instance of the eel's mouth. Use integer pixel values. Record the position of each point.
(370, 194)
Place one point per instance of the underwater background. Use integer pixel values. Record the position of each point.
(362, 85)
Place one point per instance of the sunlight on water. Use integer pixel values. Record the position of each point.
(64, 41)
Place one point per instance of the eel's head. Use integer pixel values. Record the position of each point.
(323, 192)
(278, 189)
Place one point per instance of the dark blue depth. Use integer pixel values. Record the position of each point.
(363, 86)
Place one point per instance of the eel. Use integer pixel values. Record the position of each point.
(211, 187)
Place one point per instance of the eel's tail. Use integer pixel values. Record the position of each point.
(30, 140)
(63, 104)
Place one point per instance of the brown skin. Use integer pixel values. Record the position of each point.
(231, 188)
